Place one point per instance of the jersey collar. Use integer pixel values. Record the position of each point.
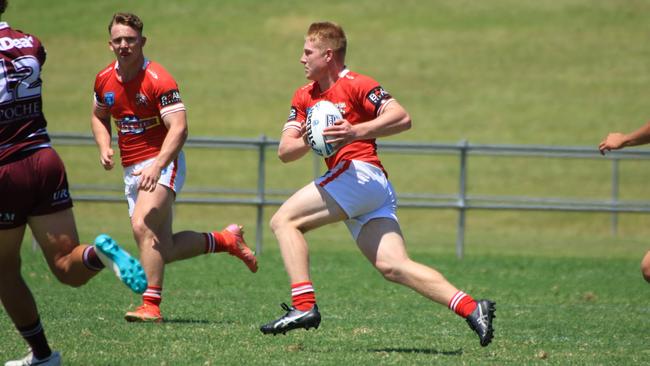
(117, 64)
(4, 25)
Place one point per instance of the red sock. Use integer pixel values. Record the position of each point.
(214, 242)
(462, 304)
(152, 296)
(302, 296)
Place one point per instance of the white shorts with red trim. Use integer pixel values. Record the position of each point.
(173, 176)
(363, 192)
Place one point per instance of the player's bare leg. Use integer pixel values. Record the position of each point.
(17, 299)
(73, 263)
(57, 236)
(189, 244)
(14, 293)
(380, 240)
(309, 208)
(152, 229)
(645, 266)
(382, 243)
(152, 223)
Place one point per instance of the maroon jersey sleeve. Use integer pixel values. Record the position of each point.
(41, 54)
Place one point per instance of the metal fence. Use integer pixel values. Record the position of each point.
(460, 201)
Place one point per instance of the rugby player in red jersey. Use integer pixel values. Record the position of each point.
(146, 107)
(616, 141)
(355, 189)
(34, 192)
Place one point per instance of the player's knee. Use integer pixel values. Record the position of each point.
(274, 223)
(390, 270)
(140, 228)
(278, 221)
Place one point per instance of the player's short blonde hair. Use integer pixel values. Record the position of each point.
(329, 35)
(128, 19)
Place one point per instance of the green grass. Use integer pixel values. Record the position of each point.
(566, 310)
(565, 296)
(555, 72)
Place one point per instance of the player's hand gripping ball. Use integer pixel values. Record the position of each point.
(322, 114)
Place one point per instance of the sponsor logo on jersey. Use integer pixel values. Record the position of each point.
(140, 99)
(109, 98)
(171, 97)
(377, 96)
(132, 125)
(7, 217)
(60, 196)
(7, 43)
(20, 111)
(293, 114)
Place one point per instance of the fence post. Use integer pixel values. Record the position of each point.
(460, 236)
(615, 170)
(261, 197)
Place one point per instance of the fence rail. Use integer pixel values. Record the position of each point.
(461, 201)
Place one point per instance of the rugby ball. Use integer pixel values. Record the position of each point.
(320, 115)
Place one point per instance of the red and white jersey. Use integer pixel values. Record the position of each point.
(22, 124)
(359, 98)
(137, 108)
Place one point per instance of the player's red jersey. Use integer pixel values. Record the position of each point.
(359, 98)
(22, 124)
(137, 108)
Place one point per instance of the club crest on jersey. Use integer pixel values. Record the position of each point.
(340, 107)
(109, 98)
(140, 99)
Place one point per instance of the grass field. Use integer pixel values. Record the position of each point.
(555, 310)
(555, 72)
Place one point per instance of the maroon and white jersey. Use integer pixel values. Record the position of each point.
(22, 124)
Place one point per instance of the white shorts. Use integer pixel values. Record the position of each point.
(173, 176)
(363, 192)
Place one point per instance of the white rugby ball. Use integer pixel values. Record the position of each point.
(322, 114)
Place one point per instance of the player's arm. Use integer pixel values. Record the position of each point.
(176, 123)
(100, 122)
(392, 119)
(617, 140)
(292, 142)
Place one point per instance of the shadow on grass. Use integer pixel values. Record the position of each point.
(426, 351)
